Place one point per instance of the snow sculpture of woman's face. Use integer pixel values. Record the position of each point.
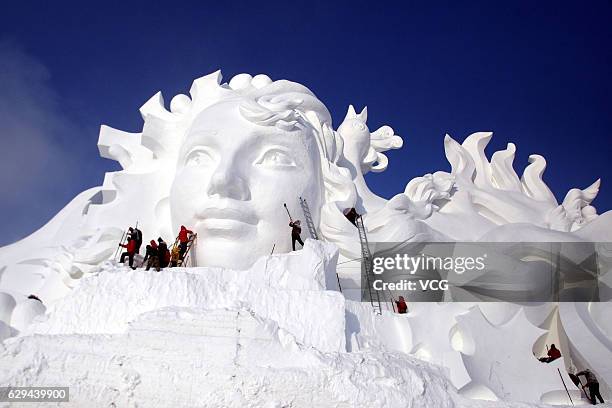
(232, 179)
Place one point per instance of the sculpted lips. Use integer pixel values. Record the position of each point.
(225, 218)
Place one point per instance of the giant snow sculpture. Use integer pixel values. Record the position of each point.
(223, 161)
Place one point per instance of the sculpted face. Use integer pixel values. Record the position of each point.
(232, 179)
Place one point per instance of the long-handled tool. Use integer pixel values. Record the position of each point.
(566, 390)
(288, 213)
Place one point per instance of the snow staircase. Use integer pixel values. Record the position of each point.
(308, 217)
(366, 264)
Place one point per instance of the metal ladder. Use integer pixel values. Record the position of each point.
(313, 231)
(189, 245)
(367, 266)
(308, 216)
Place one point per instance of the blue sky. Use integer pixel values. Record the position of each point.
(534, 73)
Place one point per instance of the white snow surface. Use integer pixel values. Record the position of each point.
(272, 336)
(25, 313)
(202, 332)
(107, 303)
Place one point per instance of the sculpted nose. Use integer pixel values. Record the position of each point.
(226, 182)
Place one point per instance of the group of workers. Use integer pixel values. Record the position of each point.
(592, 384)
(157, 254)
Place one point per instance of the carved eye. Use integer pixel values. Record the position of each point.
(199, 157)
(275, 158)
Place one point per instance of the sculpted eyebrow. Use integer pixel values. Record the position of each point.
(189, 142)
(289, 139)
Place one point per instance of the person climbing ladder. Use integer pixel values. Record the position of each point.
(184, 259)
(130, 251)
(351, 215)
(183, 238)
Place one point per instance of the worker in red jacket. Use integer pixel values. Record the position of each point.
(153, 256)
(183, 238)
(130, 251)
(402, 307)
(150, 254)
(553, 354)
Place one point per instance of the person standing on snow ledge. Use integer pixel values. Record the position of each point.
(593, 385)
(402, 307)
(296, 230)
(152, 256)
(136, 235)
(175, 257)
(163, 254)
(151, 252)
